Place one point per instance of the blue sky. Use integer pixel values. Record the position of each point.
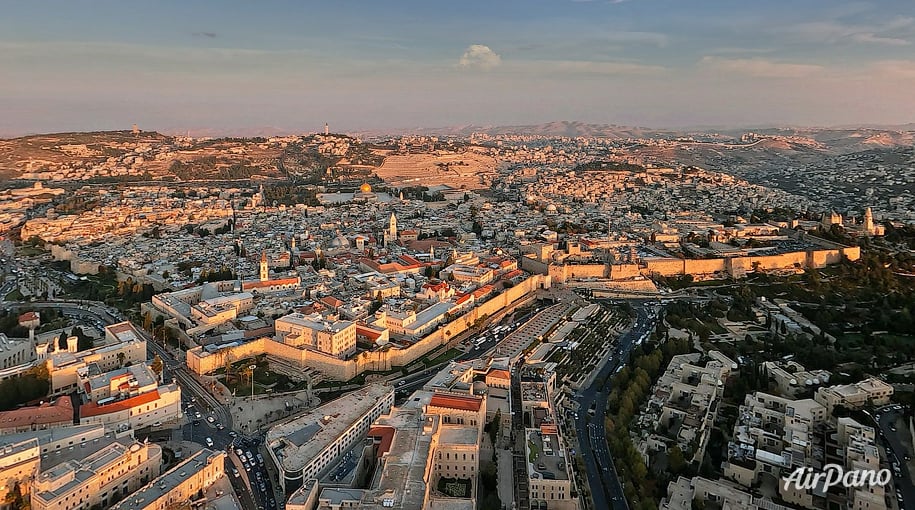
(239, 66)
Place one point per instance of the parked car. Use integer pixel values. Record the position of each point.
(209, 442)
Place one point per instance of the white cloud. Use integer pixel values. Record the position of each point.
(867, 37)
(894, 32)
(480, 57)
(761, 68)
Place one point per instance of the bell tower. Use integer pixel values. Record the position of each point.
(264, 273)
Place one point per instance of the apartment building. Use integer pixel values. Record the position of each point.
(683, 405)
(178, 485)
(20, 453)
(684, 493)
(48, 415)
(307, 446)
(160, 405)
(18, 465)
(97, 478)
(869, 392)
(774, 436)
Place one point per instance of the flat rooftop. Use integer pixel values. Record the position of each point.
(402, 477)
(546, 456)
(124, 331)
(54, 435)
(460, 434)
(315, 322)
(170, 480)
(298, 441)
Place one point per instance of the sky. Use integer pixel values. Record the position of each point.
(239, 67)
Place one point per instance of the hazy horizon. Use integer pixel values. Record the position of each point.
(236, 67)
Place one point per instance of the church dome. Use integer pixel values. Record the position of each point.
(339, 242)
(365, 188)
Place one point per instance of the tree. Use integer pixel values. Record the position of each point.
(121, 357)
(675, 460)
(157, 366)
(494, 427)
(62, 341)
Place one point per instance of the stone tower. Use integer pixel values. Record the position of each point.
(264, 273)
(869, 222)
(391, 234)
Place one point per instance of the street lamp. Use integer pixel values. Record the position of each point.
(252, 367)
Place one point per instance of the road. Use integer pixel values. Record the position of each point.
(606, 490)
(194, 397)
(897, 453)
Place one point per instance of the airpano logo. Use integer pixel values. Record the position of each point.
(833, 475)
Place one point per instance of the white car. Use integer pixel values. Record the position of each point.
(209, 442)
(211, 419)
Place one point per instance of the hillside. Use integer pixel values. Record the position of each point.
(120, 156)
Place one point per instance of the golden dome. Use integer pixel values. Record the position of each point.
(365, 188)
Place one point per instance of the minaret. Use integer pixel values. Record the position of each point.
(292, 244)
(431, 252)
(326, 129)
(265, 274)
(869, 221)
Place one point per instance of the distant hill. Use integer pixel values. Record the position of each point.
(120, 156)
(563, 128)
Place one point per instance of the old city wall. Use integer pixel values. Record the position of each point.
(381, 360)
(704, 266)
(624, 271)
(77, 265)
(666, 266)
(587, 271)
(732, 265)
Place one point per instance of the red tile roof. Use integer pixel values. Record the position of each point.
(511, 274)
(331, 301)
(268, 283)
(60, 411)
(435, 287)
(482, 291)
(410, 261)
(28, 316)
(386, 436)
(367, 332)
(462, 299)
(456, 402)
(93, 409)
(499, 374)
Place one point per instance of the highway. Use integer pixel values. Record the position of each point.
(606, 490)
